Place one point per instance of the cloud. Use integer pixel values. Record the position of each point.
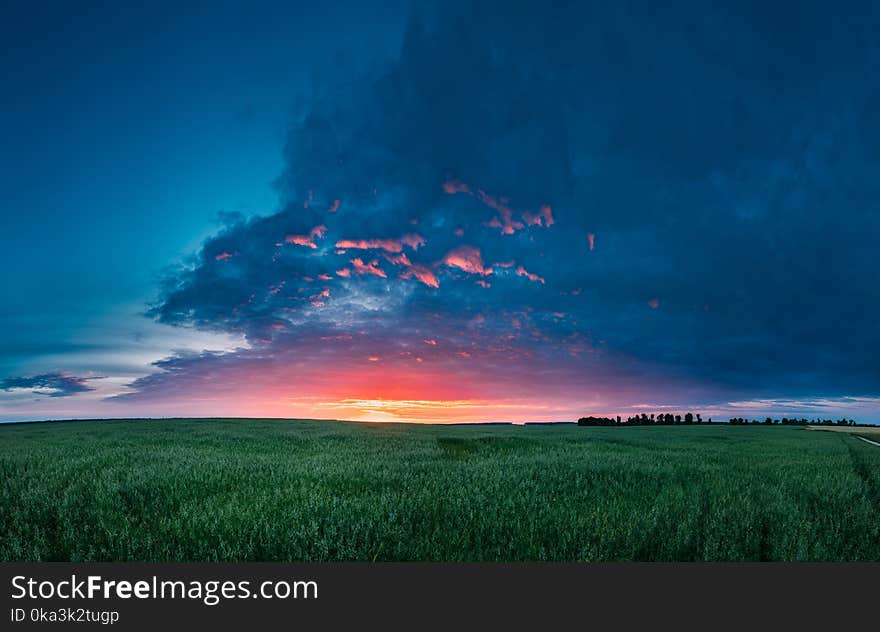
(423, 274)
(372, 268)
(307, 240)
(468, 259)
(50, 384)
(413, 240)
(543, 217)
(504, 221)
(678, 136)
(521, 271)
(389, 245)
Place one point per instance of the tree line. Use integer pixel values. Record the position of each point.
(785, 421)
(667, 419)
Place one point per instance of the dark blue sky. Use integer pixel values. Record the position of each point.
(440, 211)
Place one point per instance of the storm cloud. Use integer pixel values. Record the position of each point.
(665, 205)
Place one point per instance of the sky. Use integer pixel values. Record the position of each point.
(439, 211)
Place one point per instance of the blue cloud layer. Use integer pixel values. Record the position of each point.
(711, 174)
(51, 384)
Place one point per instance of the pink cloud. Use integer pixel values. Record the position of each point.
(399, 260)
(389, 245)
(454, 186)
(507, 224)
(368, 268)
(591, 239)
(223, 256)
(468, 259)
(458, 232)
(301, 240)
(423, 274)
(413, 240)
(504, 220)
(543, 217)
(430, 341)
(484, 284)
(521, 271)
(316, 298)
(654, 303)
(334, 207)
(307, 241)
(499, 204)
(345, 273)
(325, 277)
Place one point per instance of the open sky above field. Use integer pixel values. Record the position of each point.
(439, 211)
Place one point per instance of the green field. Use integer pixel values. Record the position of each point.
(313, 491)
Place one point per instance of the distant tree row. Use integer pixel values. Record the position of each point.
(667, 419)
(785, 421)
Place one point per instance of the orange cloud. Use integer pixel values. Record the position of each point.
(468, 259)
(345, 273)
(521, 271)
(325, 277)
(368, 268)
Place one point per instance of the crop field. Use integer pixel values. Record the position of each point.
(868, 432)
(237, 490)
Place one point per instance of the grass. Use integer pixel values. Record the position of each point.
(235, 490)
